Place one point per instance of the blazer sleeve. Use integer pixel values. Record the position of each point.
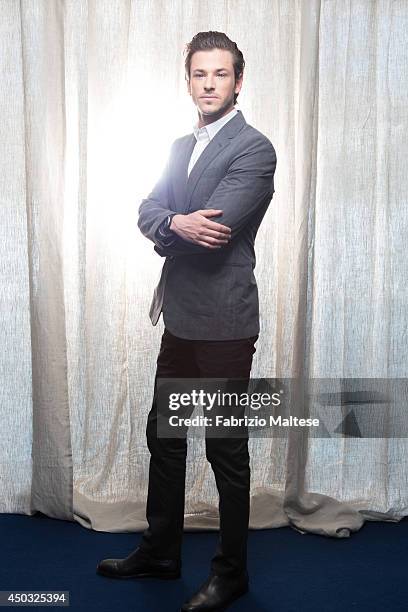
(245, 187)
(155, 208)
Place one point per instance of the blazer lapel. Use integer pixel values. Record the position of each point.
(214, 147)
(180, 173)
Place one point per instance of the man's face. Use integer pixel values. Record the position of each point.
(212, 83)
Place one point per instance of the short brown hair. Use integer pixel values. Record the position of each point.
(206, 41)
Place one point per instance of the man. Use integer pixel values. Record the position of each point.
(203, 216)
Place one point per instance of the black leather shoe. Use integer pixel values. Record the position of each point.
(136, 565)
(217, 593)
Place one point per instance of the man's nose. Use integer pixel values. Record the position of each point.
(209, 83)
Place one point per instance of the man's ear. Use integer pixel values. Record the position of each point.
(188, 85)
(238, 83)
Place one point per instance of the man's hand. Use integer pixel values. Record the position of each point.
(199, 229)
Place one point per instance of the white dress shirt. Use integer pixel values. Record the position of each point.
(205, 134)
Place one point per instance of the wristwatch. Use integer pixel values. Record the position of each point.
(165, 227)
(164, 233)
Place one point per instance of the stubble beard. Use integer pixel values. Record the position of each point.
(220, 111)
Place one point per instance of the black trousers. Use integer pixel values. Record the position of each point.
(229, 458)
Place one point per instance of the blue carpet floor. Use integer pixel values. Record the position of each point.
(288, 571)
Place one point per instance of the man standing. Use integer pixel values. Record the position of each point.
(203, 216)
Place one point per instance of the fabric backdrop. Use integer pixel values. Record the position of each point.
(92, 95)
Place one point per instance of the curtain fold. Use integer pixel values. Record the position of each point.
(45, 139)
(93, 95)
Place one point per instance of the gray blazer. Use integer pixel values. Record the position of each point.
(212, 294)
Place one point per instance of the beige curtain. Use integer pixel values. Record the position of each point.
(92, 96)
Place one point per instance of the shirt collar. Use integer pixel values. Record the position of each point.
(212, 128)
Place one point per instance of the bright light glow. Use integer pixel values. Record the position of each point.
(129, 142)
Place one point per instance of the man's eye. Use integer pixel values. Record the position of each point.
(222, 75)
